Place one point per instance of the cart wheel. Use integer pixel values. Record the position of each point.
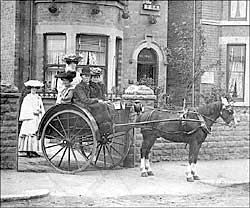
(64, 136)
(112, 150)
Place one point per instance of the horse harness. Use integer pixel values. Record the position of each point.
(182, 123)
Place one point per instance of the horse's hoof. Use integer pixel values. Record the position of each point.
(144, 174)
(196, 177)
(190, 179)
(150, 173)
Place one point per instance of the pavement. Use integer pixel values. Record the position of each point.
(169, 178)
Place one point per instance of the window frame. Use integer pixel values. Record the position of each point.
(103, 67)
(244, 73)
(236, 19)
(46, 65)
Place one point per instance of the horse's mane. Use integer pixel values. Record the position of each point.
(210, 108)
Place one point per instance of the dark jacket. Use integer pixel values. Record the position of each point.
(81, 94)
(97, 90)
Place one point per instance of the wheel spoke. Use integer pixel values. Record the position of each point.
(62, 157)
(54, 145)
(118, 143)
(74, 156)
(98, 152)
(61, 126)
(69, 159)
(56, 130)
(110, 155)
(115, 150)
(68, 124)
(52, 137)
(74, 128)
(56, 153)
(76, 133)
(104, 155)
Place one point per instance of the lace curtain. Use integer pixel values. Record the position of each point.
(236, 70)
(238, 9)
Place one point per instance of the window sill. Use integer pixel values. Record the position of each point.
(241, 104)
(224, 23)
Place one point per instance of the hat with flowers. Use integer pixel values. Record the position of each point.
(71, 58)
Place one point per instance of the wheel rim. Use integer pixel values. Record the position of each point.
(112, 149)
(64, 136)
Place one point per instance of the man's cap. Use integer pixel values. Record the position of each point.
(85, 70)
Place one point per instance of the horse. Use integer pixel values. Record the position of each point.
(192, 128)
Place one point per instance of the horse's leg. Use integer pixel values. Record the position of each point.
(147, 163)
(193, 165)
(192, 148)
(144, 153)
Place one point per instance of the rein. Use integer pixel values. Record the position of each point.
(224, 124)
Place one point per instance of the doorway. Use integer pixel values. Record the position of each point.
(147, 64)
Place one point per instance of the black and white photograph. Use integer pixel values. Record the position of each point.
(125, 103)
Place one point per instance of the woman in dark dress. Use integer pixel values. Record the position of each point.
(97, 88)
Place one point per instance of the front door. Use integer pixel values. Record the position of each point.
(147, 65)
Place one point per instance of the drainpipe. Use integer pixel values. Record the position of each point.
(193, 70)
(31, 40)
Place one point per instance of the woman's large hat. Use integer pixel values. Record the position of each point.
(69, 75)
(95, 71)
(71, 58)
(33, 83)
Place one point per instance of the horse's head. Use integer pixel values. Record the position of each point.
(227, 112)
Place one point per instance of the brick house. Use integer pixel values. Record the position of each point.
(35, 34)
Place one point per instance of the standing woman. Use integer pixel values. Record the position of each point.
(32, 110)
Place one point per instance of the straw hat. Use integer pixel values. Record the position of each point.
(33, 83)
(95, 71)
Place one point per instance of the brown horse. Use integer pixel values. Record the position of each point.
(191, 128)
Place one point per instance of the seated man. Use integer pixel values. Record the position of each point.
(81, 94)
(97, 108)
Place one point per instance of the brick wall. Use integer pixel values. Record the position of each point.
(8, 9)
(223, 143)
(135, 30)
(9, 111)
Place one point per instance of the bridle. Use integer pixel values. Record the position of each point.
(224, 107)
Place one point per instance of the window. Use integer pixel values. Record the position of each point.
(238, 10)
(93, 50)
(236, 70)
(55, 48)
(147, 65)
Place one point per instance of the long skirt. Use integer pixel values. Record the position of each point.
(29, 143)
(27, 139)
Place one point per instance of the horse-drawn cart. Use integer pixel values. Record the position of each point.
(72, 138)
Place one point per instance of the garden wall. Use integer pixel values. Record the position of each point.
(8, 139)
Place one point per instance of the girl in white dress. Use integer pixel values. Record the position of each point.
(32, 110)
